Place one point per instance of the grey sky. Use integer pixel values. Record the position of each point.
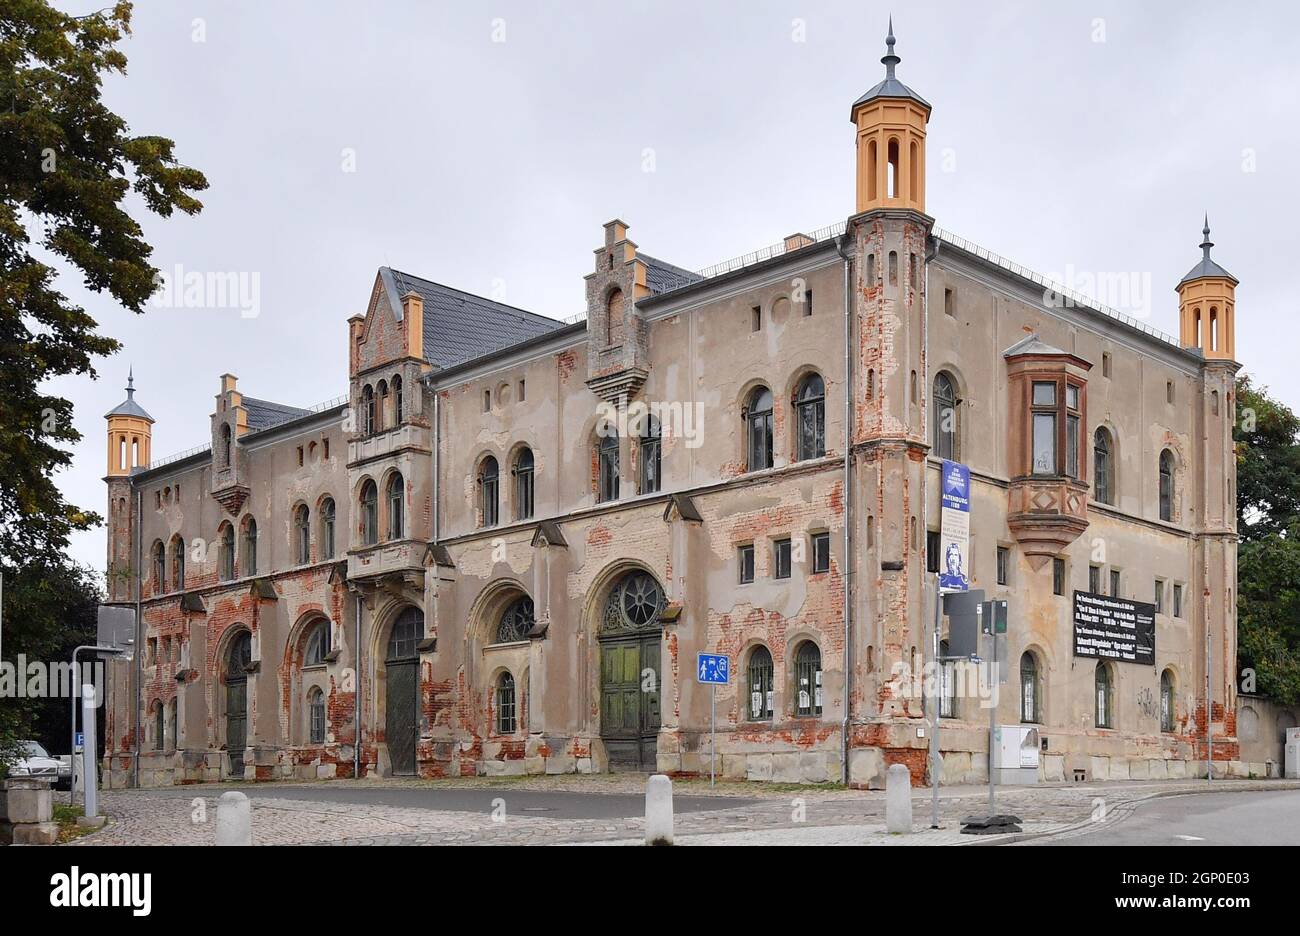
(485, 164)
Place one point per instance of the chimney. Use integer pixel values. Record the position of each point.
(413, 319)
(795, 241)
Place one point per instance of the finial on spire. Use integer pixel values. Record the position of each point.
(130, 383)
(1206, 244)
(889, 60)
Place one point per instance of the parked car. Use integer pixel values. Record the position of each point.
(36, 763)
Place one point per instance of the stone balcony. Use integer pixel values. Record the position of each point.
(1046, 514)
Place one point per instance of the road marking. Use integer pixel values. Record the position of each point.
(1190, 838)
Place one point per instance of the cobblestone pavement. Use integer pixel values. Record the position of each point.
(770, 815)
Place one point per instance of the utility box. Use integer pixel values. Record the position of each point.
(1015, 755)
(1291, 756)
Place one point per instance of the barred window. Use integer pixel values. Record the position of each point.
(506, 709)
(808, 680)
(1105, 697)
(761, 688)
(1029, 689)
(316, 715)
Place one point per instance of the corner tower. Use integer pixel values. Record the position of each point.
(130, 430)
(1206, 306)
(890, 121)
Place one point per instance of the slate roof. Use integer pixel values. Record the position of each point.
(129, 407)
(663, 277)
(460, 326)
(1031, 344)
(263, 414)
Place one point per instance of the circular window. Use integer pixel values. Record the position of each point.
(634, 603)
(517, 621)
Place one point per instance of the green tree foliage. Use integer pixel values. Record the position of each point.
(1268, 561)
(69, 171)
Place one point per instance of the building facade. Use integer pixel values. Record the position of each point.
(503, 550)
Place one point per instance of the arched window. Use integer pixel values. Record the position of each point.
(947, 682)
(945, 417)
(398, 408)
(381, 406)
(369, 513)
(225, 445)
(1105, 696)
(1167, 701)
(634, 604)
(523, 471)
(396, 498)
(650, 457)
(1030, 687)
(758, 429)
(1166, 485)
(227, 552)
(506, 719)
(367, 410)
(318, 644)
(808, 679)
(810, 410)
(302, 534)
(1103, 466)
(159, 726)
(175, 734)
(316, 715)
(516, 621)
(607, 465)
(327, 528)
(489, 491)
(614, 318)
(761, 691)
(249, 559)
(178, 563)
(159, 566)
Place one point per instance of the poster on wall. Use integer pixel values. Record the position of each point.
(954, 527)
(1108, 628)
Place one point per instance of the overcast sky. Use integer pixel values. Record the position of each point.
(1085, 137)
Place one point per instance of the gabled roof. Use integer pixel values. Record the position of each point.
(263, 414)
(663, 277)
(1031, 344)
(460, 326)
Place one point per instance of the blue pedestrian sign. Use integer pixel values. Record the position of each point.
(713, 668)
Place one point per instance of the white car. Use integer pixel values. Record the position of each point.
(36, 763)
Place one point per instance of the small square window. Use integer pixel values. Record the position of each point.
(745, 555)
(325, 445)
(1094, 579)
(1114, 583)
(1178, 600)
(807, 302)
(300, 456)
(1169, 391)
(1044, 393)
(487, 401)
(756, 318)
(782, 556)
(1004, 565)
(950, 303)
(821, 552)
(522, 391)
(1160, 597)
(1105, 364)
(1058, 576)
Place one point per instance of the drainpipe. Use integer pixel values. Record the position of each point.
(436, 427)
(931, 251)
(843, 245)
(139, 636)
(356, 707)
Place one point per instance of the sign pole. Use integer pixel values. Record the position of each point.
(936, 765)
(713, 732)
(994, 681)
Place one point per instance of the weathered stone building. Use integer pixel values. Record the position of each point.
(503, 550)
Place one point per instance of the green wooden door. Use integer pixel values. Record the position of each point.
(629, 701)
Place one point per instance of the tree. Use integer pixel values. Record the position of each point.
(68, 167)
(1268, 561)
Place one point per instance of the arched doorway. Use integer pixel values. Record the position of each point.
(402, 691)
(238, 656)
(630, 658)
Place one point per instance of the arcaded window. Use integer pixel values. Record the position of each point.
(369, 513)
(249, 559)
(367, 410)
(808, 680)
(318, 644)
(507, 720)
(761, 689)
(396, 500)
(1166, 485)
(381, 406)
(302, 534)
(1030, 687)
(489, 494)
(327, 528)
(178, 563)
(810, 409)
(227, 553)
(1167, 701)
(607, 465)
(516, 621)
(945, 417)
(398, 409)
(524, 490)
(650, 455)
(1105, 697)
(316, 715)
(758, 429)
(1103, 466)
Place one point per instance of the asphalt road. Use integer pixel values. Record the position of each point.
(1265, 818)
(542, 804)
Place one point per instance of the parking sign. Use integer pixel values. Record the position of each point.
(712, 669)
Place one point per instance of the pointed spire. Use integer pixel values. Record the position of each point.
(889, 59)
(1206, 244)
(130, 383)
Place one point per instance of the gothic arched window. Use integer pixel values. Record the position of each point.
(810, 408)
(945, 417)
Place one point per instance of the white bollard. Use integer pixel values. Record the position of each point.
(659, 810)
(234, 819)
(898, 799)
(90, 775)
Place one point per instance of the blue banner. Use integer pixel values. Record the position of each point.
(954, 527)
